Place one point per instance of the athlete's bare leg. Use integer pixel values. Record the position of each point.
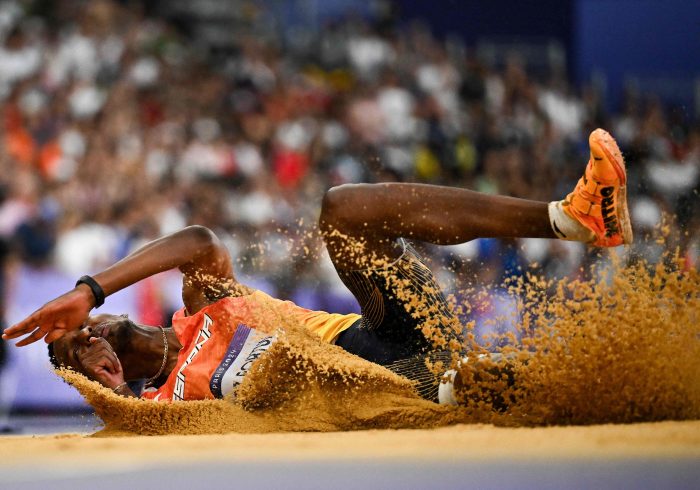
(380, 213)
(595, 212)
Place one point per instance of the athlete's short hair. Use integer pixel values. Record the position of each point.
(52, 356)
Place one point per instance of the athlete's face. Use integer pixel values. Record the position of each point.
(116, 329)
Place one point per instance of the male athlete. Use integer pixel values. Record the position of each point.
(224, 325)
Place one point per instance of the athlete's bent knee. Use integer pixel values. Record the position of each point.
(341, 207)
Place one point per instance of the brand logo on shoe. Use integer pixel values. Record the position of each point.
(608, 211)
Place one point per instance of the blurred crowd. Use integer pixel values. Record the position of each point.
(119, 128)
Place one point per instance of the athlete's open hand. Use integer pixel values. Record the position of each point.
(55, 318)
(100, 363)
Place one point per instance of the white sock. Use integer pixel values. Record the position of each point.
(565, 227)
(446, 390)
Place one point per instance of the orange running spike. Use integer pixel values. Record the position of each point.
(599, 201)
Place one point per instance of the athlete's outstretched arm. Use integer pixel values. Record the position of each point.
(196, 251)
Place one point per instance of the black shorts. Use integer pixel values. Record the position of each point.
(399, 303)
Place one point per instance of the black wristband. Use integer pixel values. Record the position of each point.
(96, 289)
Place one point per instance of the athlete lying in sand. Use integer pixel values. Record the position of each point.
(224, 325)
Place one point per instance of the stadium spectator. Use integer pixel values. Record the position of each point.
(117, 129)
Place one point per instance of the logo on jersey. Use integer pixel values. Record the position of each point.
(202, 337)
(246, 346)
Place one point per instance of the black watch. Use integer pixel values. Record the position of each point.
(96, 289)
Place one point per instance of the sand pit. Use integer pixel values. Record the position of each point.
(661, 454)
(459, 442)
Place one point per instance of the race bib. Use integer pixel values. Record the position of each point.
(246, 346)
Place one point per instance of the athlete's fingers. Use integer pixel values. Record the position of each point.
(105, 350)
(119, 364)
(54, 335)
(30, 339)
(23, 327)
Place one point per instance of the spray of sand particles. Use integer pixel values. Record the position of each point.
(622, 346)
